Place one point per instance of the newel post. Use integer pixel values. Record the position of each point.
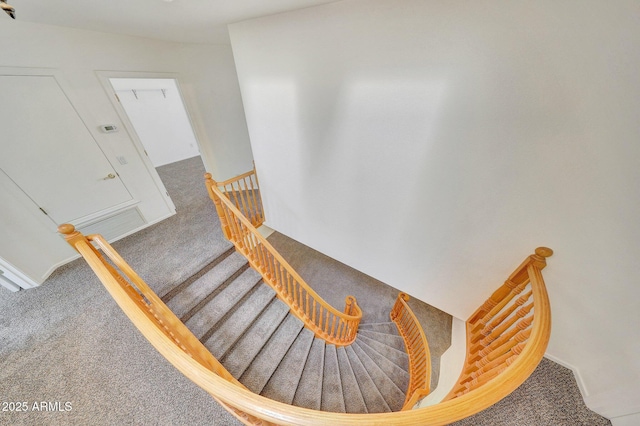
(71, 235)
(224, 224)
(397, 307)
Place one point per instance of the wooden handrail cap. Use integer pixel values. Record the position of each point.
(544, 251)
(207, 176)
(66, 228)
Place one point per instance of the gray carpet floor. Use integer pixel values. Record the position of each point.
(67, 341)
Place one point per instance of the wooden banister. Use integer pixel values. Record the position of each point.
(417, 349)
(233, 203)
(499, 357)
(178, 345)
(505, 328)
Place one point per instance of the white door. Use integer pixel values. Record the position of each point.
(46, 149)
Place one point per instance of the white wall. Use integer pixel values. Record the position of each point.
(155, 109)
(433, 145)
(29, 243)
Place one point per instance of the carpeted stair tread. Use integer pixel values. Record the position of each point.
(373, 400)
(228, 332)
(388, 339)
(238, 358)
(309, 391)
(353, 401)
(186, 283)
(389, 391)
(204, 288)
(284, 381)
(210, 314)
(332, 396)
(399, 357)
(259, 372)
(380, 327)
(399, 376)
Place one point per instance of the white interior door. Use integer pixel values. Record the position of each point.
(46, 149)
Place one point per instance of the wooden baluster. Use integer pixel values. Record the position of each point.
(259, 219)
(482, 348)
(522, 312)
(209, 183)
(333, 326)
(515, 290)
(498, 320)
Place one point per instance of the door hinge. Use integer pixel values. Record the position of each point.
(117, 97)
(43, 211)
(145, 153)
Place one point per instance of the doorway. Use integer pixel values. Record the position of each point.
(159, 118)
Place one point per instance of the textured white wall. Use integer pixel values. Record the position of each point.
(433, 145)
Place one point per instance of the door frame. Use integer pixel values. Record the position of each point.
(104, 77)
(83, 113)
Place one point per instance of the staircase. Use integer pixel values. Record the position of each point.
(251, 332)
(231, 335)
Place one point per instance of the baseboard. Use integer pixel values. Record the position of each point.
(576, 373)
(50, 271)
(451, 364)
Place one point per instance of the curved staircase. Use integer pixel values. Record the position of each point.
(251, 332)
(270, 350)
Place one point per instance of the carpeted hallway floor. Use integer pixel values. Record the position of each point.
(67, 341)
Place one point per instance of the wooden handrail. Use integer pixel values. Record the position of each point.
(178, 345)
(511, 328)
(417, 349)
(335, 327)
(243, 192)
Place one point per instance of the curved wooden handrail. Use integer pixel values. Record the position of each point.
(504, 337)
(180, 347)
(417, 349)
(335, 327)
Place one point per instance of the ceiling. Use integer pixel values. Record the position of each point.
(188, 21)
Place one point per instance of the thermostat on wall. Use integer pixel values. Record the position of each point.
(109, 128)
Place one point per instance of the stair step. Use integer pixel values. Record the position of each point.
(284, 381)
(389, 391)
(353, 401)
(380, 327)
(309, 391)
(332, 396)
(228, 332)
(177, 289)
(399, 357)
(373, 400)
(399, 376)
(388, 339)
(261, 369)
(201, 323)
(238, 358)
(184, 304)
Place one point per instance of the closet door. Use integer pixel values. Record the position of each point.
(47, 150)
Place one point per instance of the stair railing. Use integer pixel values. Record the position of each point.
(508, 334)
(148, 312)
(335, 327)
(183, 350)
(243, 191)
(417, 349)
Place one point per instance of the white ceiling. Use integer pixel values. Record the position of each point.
(189, 21)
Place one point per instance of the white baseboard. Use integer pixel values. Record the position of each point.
(126, 234)
(451, 364)
(265, 231)
(576, 374)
